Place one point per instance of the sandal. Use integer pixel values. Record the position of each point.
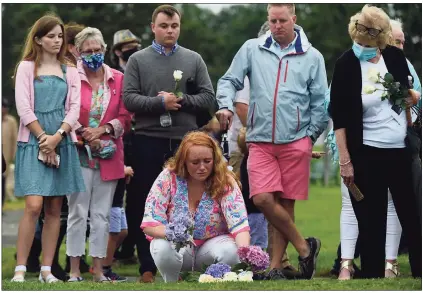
(75, 279)
(50, 277)
(21, 277)
(391, 270)
(103, 279)
(348, 265)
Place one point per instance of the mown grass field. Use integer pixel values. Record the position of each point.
(319, 216)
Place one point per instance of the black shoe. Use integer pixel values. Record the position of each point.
(291, 273)
(308, 265)
(58, 272)
(108, 273)
(275, 274)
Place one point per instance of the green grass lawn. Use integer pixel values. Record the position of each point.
(319, 216)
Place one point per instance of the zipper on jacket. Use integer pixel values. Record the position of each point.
(298, 118)
(274, 102)
(252, 116)
(286, 71)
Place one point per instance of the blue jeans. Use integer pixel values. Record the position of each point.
(258, 229)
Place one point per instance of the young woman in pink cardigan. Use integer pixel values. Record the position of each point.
(103, 119)
(47, 93)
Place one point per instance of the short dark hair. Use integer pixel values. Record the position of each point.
(169, 10)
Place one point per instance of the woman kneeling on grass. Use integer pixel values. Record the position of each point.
(197, 183)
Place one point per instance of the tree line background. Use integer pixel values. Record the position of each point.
(217, 37)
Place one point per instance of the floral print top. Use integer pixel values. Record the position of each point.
(169, 196)
(94, 121)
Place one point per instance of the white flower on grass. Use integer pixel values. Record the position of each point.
(245, 276)
(231, 276)
(204, 278)
(177, 75)
(369, 89)
(373, 75)
(384, 93)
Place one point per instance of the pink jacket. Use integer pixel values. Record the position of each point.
(24, 97)
(114, 113)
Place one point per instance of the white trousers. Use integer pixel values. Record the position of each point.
(98, 201)
(170, 263)
(349, 228)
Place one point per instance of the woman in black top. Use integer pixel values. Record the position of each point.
(371, 136)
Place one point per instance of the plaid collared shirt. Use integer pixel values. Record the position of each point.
(161, 50)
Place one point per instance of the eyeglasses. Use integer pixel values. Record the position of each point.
(91, 52)
(373, 32)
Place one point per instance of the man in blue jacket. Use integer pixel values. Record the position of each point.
(286, 116)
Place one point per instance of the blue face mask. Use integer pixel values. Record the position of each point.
(94, 61)
(364, 53)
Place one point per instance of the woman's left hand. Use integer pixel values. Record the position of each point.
(91, 134)
(412, 99)
(48, 143)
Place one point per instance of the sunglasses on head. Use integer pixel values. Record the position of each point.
(373, 32)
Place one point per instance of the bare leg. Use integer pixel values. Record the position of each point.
(111, 248)
(280, 242)
(52, 209)
(276, 214)
(26, 231)
(74, 264)
(98, 267)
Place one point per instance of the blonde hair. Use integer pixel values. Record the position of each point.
(89, 33)
(290, 6)
(221, 178)
(374, 17)
(242, 145)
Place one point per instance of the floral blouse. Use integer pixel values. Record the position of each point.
(169, 196)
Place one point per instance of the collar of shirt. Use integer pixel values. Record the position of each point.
(291, 46)
(161, 50)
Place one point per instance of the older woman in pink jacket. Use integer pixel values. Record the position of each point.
(103, 120)
(47, 95)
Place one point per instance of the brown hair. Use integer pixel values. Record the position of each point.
(72, 29)
(169, 10)
(291, 7)
(32, 51)
(221, 178)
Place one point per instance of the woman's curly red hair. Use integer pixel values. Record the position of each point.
(220, 179)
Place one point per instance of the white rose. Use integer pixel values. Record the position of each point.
(369, 89)
(204, 278)
(177, 75)
(231, 276)
(245, 276)
(373, 75)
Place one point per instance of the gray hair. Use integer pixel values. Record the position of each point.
(89, 33)
(264, 28)
(396, 24)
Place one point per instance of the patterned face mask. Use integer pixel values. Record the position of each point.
(94, 61)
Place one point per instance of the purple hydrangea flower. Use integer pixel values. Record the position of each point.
(218, 270)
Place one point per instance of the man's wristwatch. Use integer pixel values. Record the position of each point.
(62, 132)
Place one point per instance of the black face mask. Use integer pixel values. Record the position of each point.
(126, 54)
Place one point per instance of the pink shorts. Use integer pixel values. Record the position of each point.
(281, 168)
